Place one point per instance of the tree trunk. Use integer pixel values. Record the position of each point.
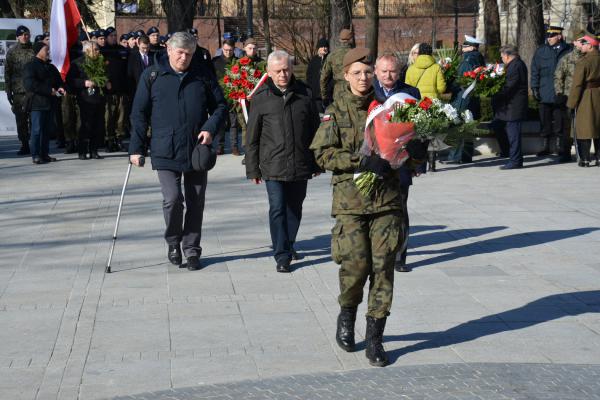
(18, 7)
(264, 14)
(180, 14)
(372, 25)
(341, 17)
(530, 28)
(491, 23)
(219, 23)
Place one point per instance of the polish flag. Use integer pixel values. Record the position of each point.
(64, 19)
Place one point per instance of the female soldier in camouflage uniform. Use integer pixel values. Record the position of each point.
(368, 230)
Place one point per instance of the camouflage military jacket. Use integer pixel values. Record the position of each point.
(336, 146)
(334, 67)
(16, 58)
(563, 76)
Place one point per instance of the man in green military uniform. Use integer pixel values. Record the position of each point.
(368, 231)
(563, 78)
(333, 68)
(16, 58)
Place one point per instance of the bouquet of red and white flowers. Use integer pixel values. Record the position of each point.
(401, 122)
(449, 60)
(240, 81)
(484, 81)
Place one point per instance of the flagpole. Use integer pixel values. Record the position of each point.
(85, 29)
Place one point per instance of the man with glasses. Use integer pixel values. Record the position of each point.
(584, 99)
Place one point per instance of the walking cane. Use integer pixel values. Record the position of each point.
(114, 239)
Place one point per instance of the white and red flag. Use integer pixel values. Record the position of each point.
(64, 19)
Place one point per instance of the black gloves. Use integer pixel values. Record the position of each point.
(536, 94)
(561, 99)
(374, 163)
(417, 149)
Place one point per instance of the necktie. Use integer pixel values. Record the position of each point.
(145, 60)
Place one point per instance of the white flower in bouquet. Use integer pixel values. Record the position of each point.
(493, 74)
(467, 116)
(451, 113)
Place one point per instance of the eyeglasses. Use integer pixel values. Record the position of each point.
(359, 74)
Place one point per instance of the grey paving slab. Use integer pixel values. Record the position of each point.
(505, 271)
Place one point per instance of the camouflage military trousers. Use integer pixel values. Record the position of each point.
(115, 116)
(69, 117)
(365, 246)
(21, 116)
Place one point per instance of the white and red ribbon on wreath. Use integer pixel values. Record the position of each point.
(249, 96)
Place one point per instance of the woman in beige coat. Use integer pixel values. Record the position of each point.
(585, 99)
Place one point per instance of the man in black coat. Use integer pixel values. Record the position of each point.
(313, 72)
(175, 98)
(138, 60)
(510, 104)
(282, 123)
(220, 64)
(41, 83)
(543, 66)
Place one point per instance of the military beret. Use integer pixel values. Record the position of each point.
(21, 30)
(359, 54)
(193, 31)
(37, 46)
(110, 30)
(346, 34)
(93, 34)
(204, 157)
(250, 41)
(153, 29)
(322, 43)
(38, 38)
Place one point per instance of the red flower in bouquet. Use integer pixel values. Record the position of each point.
(226, 79)
(257, 73)
(245, 60)
(235, 69)
(244, 74)
(426, 103)
(410, 101)
(241, 77)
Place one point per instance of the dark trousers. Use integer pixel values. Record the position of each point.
(187, 229)
(21, 117)
(285, 213)
(552, 119)
(91, 131)
(508, 134)
(231, 124)
(406, 221)
(41, 123)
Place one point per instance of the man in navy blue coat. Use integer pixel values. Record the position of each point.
(387, 84)
(175, 98)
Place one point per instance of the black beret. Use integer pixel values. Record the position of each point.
(204, 158)
(322, 43)
(93, 34)
(110, 30)
(102, 33)
(140, 33)
(46, 34)
(153, 29)
(21, 30)
(124, 36)
(359, 54)
(193, 31)
(38, 38)
(37, 46)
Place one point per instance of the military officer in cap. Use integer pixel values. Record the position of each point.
(584, 98)
(132, 40)
(333, 70)
(201, 56)
(124, 40)
(543, 66)
(154, 36)
(368, 231)
(16, 58)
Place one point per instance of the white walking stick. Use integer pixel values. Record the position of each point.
(114, 239)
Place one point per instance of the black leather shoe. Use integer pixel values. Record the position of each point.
(23, 151)
(296, 256)
(193, 263)
(344, 334)
(70, 147)
(511, 166)
(49, 159)
(37, 160)
(174, 255)
(374, 342)
(543, 153)
(283, 267)
(402, 267)
(96, 156)
(82, 156)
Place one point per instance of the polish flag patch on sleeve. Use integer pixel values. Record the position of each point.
(326, 117)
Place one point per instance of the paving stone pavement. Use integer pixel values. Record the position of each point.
(505, 286)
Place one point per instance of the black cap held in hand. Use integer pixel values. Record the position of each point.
(204, 157)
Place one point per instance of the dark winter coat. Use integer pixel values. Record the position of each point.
(116, 68)
(280, 131)
(76, 78)
(510, 104)
(177, 107)
(543, 66)
(135, 67)
(39, 78)
(220, 63)
(313, 75)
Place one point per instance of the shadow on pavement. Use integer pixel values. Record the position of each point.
(546, 309)
(516, 241)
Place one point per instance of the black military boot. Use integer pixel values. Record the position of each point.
(374, 338)
(82, 149)
(174, 254)
(344, 335)
(597, 151)
(70, 147)
(545, 148)
(24, 150)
